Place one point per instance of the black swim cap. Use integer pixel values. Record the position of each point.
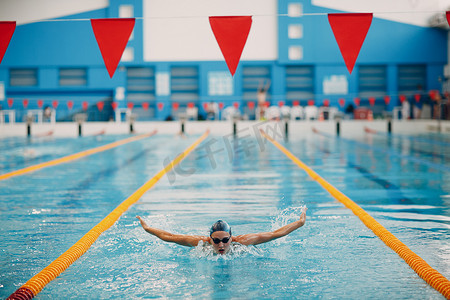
(220, 226)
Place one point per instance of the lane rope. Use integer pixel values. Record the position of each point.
(33, 286)
(390, 152)
(420, 266)
(74, 156)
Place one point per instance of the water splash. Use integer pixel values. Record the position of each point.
(205, 250)
(284, 217)
(287, 216)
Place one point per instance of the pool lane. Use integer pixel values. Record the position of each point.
(392, 153)
(34, 286)
(75, 156)
(420, 266)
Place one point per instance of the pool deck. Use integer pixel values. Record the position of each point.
(348, 128)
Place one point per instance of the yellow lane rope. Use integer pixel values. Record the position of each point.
(74, 156)
(427, 273)
(33, 286)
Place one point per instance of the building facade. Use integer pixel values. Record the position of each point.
(172, 61)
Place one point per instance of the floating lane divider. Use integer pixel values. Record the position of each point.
(427, 273)
(33, 286)
(75, 156)
(392, 153)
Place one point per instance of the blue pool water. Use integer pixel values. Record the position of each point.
(402, 181)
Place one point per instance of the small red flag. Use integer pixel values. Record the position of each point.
(417, 97)
(100, 105)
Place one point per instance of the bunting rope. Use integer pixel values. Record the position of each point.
(35, 285)
(420, 266)
(253, 15)
(74, 156)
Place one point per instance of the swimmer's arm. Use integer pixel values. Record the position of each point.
(180, 239)
(264, 237)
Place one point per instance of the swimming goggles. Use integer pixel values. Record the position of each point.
(224, 240)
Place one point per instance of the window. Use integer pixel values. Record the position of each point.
(220, 84)
(372, 81)
(140, 84)
(23, 77)
(141, 92)
(253, 78)
(295, 31)
(72, 77)
(295, 10)
(411, 78)
(126, 11)
(128, 54)
(295, 53)
(184, 84)
(299, 83)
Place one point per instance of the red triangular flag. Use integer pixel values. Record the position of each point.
(112, 37)
(6, 32)
(100, 105)
(447, 14)
(350, 31)
(231, 34)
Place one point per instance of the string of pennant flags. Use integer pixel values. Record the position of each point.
(250, 104)
(231, 33)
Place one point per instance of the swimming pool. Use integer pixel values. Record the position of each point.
(402, 181)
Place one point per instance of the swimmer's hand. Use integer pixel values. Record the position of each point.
(303, 216)
(143, 224)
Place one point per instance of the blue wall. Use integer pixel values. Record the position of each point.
(49, 46)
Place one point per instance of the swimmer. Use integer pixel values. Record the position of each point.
(220, 235)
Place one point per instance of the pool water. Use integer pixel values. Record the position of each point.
(402, 181)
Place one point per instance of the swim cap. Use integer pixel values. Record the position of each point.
(220, 226)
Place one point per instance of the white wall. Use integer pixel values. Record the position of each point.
(27, 11)
(177, 30)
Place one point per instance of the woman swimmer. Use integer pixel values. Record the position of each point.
(220, 235)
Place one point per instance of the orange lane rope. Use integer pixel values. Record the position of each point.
(74, 156)
(427, 273)
(33, 286)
